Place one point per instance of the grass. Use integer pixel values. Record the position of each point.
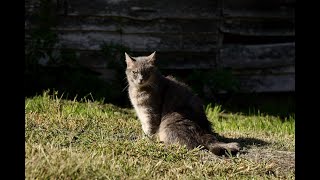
(87, 139)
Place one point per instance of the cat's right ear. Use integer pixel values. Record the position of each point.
(129, 60)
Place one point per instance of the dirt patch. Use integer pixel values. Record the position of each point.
(281, 162)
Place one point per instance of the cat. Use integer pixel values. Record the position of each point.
(168, 109)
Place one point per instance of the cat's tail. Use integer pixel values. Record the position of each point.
(220, 148)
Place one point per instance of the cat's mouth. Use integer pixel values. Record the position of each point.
(142, 83)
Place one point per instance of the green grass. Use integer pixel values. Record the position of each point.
(90, 140)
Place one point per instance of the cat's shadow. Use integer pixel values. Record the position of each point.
(244, 142)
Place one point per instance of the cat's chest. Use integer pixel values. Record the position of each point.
(139, 98)
(141, 103)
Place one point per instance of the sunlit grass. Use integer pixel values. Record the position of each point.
(90, 140)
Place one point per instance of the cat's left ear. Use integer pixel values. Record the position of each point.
(152, 57)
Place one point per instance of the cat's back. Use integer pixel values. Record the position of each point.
(179, 98)
(178, 95)
(177, 86)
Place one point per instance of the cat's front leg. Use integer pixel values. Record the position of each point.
(149, 129)
(152, 137)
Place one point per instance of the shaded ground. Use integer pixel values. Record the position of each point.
(80, 82)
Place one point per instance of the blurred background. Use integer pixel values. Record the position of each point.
(238, 54)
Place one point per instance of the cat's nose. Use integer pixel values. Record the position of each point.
(140, 81)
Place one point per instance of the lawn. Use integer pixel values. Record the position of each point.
(87, 139)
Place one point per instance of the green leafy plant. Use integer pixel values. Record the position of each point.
(40, 38)
(114, 55)
(217, 81)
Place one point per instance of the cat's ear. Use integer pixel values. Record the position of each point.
(129, 60)
(152, 57)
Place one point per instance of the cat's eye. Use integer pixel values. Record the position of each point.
(145, 73)
(134, 72)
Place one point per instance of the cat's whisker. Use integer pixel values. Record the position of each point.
(153, 86)
(125, 88)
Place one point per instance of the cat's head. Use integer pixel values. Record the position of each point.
(140, 70)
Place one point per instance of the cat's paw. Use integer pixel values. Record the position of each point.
(232, 148)
(225, 148)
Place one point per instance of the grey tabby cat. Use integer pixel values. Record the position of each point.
(167, 108)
